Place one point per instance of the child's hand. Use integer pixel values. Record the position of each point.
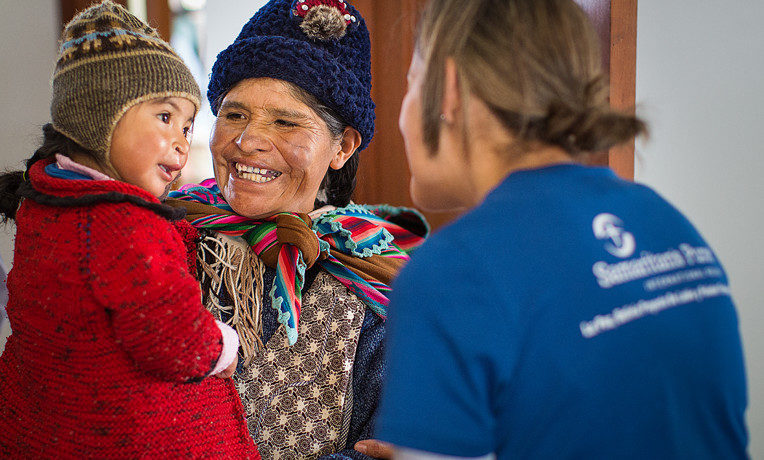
(228, 371)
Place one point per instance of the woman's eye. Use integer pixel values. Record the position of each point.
(165, 117)
(234, 116)
(285, 123)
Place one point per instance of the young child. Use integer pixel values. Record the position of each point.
(111, 346)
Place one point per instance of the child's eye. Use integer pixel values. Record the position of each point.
(164, 116)
(187, 131)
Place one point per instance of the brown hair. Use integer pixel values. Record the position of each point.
(536, 64)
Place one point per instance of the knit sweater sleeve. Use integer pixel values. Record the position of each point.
(137, 267)
(189, 235)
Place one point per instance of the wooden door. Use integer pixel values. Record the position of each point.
(383, 175)
(158, 12)
(616, 24)
(71, 7)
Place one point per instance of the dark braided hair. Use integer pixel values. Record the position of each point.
(53, 142)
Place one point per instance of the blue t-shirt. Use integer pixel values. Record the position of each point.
(571, 315)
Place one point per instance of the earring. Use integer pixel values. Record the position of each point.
(442, 117)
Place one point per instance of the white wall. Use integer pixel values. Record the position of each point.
(225, 18)
(700, 84)
(28, 40)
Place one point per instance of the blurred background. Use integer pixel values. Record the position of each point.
(693, 70)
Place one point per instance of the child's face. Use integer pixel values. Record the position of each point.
(150, 143)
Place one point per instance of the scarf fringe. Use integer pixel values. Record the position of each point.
(230, 264)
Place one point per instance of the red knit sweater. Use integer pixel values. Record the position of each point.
(108, 335)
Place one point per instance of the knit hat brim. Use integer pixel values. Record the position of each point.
(312, 69)
(79, 96)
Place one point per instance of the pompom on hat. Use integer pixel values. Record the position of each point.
(108, 61)
(322, 46)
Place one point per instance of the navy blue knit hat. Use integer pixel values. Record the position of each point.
(322, 46)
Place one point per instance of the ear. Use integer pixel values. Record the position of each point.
(351, 140)
(451, 104)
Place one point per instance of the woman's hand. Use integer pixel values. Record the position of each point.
(374, 448)
(228, 371)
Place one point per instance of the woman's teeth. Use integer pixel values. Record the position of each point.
(164, 168)
(256, 174)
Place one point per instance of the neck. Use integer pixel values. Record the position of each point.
(494, 165)
(493, 152)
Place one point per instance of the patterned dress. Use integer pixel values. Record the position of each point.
(316, 398)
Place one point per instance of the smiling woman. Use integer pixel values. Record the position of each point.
(302, 273)
(266, 141)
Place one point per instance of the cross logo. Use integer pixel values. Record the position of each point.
(609, 227)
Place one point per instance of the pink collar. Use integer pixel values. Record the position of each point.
(67, 164)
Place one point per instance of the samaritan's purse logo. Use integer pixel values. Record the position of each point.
(609, 227)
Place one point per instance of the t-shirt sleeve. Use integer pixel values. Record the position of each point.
(139, 273)
(443, 336)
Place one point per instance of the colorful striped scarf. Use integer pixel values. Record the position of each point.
(363, 247)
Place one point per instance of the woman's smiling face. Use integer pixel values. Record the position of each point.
(270, 151)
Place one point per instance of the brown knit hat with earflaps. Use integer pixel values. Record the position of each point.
(110, 60)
